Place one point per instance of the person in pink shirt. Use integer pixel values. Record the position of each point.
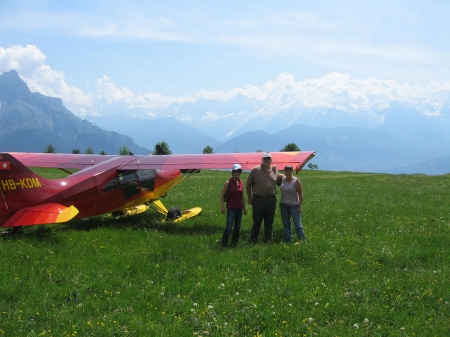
(291, 204)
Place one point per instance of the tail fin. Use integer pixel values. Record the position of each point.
(24, 196)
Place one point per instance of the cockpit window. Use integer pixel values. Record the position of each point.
(147, 179)
(112, 185)
(129, 182)
(132, 181)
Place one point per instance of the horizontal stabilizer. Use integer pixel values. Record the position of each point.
(41, 214)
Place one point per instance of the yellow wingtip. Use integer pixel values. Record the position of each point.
(67, 214)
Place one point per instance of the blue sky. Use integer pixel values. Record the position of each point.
(94, 54)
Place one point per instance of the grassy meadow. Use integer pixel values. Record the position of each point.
(376, 263)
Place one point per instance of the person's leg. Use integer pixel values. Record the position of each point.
(237, 226)
(269, 215)
(297, 218)
(258, 215)
(228, 226)
(286, 219)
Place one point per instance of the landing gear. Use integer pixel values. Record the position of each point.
(173, 213)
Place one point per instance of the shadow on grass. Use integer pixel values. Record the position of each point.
(40, 233)
(146, 221)
(140, 222)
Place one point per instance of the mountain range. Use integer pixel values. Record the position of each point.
(399, 138)
(337, 149)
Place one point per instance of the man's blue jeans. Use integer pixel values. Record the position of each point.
(233, 215)
(288, 212)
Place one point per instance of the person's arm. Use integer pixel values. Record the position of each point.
(248, 188)
(279, 179)
(222, 202)
(299, 188)
(243, 205)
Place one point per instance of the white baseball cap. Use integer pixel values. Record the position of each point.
(236, 167)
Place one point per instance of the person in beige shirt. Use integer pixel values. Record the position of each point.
(261, 189)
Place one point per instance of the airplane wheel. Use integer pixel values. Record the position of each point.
(173, 213)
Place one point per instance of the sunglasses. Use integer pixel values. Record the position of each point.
(267, 158)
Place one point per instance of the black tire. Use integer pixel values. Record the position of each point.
(173, 213)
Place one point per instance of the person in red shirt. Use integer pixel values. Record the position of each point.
(235, 205)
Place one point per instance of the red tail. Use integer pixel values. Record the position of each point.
(24, 196)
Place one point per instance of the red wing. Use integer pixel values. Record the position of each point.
(60, 160)
(41, 214)
(220, 160)
(176, 161)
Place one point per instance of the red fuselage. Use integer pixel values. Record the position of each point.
(98, 189)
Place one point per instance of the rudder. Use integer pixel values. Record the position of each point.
(20, 187)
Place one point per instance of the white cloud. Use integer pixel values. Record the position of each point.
(342, 90)
(108, 93)
(335, 89)
(24, 60)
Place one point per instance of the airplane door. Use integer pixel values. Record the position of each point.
(129, 183)
(118, 190)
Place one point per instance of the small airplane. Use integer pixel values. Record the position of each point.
(103, 184)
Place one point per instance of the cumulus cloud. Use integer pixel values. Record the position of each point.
(24, 60)
(108, 93)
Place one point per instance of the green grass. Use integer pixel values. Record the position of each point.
(376, 264)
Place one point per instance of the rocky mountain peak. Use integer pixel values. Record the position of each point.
(13, 88)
